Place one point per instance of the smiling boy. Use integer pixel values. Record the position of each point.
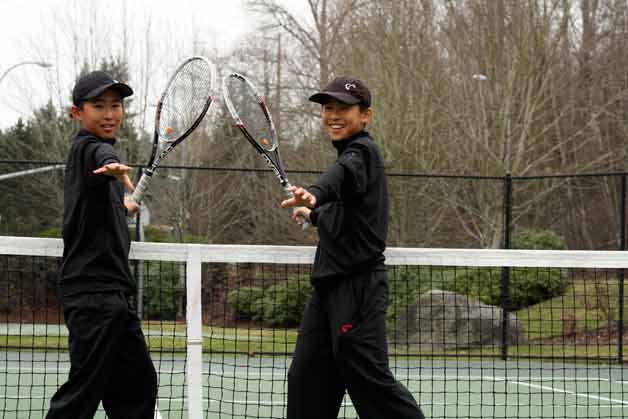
(342, 338)
(109, 359)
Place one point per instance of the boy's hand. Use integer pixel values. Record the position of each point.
(300, 198)
(132, 207)
(119, 171)
(301, 215)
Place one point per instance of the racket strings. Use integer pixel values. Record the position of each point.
(245, 102)
(185, 99)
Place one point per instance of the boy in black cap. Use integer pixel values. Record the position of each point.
(109, 359)
(342, 338)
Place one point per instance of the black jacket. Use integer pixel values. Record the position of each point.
(351, 211)
(95, 232)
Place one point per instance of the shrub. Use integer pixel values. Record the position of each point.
(527, 286)
(155, 234)
(538, 239)
(281, 304)
(163, 294)
(242, 300)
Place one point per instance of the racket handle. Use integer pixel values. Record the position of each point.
(305, 224)
(140, 189)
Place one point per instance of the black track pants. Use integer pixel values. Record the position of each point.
(342, 345)
(109, 360)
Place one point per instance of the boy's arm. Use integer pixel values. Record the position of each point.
(118, 171)
(347, 175)
(328, 187)
(105, 165)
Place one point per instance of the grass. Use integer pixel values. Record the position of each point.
(50, 343)
(585, 306)
(170, 337)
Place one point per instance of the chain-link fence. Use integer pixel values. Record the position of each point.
(241, 205)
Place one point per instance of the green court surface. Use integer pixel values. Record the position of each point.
(255, 387)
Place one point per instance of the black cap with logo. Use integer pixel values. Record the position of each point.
(346, 90)
(93, 84)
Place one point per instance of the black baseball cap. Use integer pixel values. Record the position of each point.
(93, 84)
(346, 90)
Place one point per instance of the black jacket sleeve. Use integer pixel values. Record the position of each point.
(346, 177)
(96, 154)
(353, 160)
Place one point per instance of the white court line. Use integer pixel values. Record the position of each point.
(420, 377)
(573, 393)
(253, 374)
(349, 403)
(345, 403)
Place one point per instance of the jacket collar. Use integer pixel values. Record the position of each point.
(84, 133)
(342, 145)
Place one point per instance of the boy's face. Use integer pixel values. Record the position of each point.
(342, 121)
(102, 115)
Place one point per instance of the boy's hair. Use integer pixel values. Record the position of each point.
(93, 84)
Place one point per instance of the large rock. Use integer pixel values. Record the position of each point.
(444, 320)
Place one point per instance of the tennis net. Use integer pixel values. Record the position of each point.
(472, 333)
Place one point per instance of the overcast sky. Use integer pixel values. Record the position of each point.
(35, 32)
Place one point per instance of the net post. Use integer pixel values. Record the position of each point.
(194, 365)
(505, 271)
(620, 272)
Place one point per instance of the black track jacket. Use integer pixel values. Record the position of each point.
(351, 211)
(95, 232)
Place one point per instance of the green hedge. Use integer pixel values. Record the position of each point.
(284, 302)
(163, 292)
(281, 304)
(537, 240)
(242, 300)
(527, 286)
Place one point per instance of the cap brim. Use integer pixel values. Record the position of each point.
(324, 97)
(124, 90)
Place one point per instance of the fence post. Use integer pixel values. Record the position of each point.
(620, 284)
(194, 365)
(505, 272)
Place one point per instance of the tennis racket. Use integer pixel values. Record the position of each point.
(252, 117)
(181, 107)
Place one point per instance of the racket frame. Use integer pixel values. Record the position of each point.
(271, 156)
(155, 156)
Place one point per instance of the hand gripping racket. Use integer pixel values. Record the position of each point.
(181, 107)
(252, 117)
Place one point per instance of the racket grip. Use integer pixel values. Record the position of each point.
(305, 224)
(140, 189)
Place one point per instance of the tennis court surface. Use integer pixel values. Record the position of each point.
(226, 354)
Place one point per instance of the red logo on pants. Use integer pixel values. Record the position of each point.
(346, 327)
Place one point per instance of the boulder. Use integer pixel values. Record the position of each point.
(445, 320)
